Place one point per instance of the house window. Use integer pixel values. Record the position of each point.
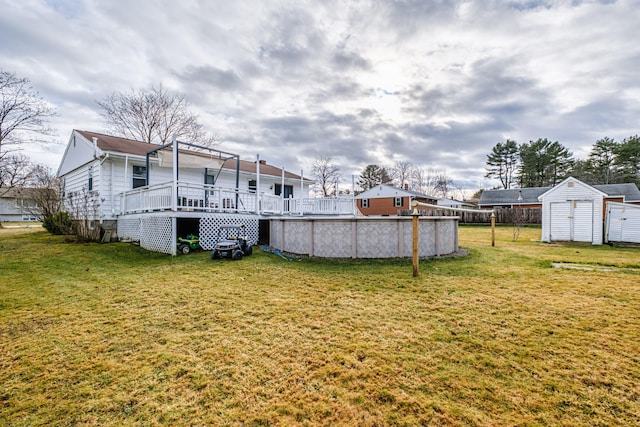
(397, 202)
(90, 174)
(365, 203)
(253, 186)
(288, 190)
(139, 176)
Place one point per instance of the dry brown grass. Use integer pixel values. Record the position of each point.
(113, 335)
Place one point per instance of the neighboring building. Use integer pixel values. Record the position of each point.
(121, 184)
(16, 204)
(452, 203)
(387, 200)
(575, 211)
(512, 198)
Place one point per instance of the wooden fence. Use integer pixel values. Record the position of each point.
(503, 215)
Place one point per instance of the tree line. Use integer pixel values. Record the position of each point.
(402, 174)
(543, 163)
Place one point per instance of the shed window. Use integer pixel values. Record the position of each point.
(365, 203)
(397, 202)
(253, 186)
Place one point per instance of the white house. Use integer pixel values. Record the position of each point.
(17, 204)
(575, 211)
(133, 189)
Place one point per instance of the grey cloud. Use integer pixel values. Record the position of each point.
(346, 60)
(217, 78)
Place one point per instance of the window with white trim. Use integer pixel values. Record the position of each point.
(209, 176)
(364, 203)
(139, 176)
(397, 202)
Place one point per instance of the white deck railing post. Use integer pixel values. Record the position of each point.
(174, 204)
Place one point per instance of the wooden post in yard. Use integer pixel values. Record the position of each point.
(414, 241)
(493, 228)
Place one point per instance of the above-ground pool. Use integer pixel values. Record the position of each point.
(363, 237)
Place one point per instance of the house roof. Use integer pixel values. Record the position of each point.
(628, 191)
(114, 144)
(19, 192)
(510, 196)
(445, 201)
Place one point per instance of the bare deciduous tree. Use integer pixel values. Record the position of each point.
(442, 184)
(44, 190)
(15, 171)
(401, 173)
(23, 112)
(84, 208)
(326, 174)
(430, 181)
(153, 116)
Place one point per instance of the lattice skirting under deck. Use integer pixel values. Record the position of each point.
(210, 224)
(155, 232)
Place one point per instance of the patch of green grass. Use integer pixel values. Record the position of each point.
(114, 335)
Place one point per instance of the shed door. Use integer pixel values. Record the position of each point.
(572, 221)
(582, 221)
(560, 220)
(624, 224)
(615, 220)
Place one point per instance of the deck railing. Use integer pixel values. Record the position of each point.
(209, 198)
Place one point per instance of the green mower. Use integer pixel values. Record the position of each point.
(188, 244)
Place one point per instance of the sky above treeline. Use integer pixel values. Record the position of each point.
(435, 83)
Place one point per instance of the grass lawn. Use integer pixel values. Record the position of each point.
(111, 334)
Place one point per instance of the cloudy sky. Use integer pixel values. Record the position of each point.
(434, 82)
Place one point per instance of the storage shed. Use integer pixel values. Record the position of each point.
(573, 211)
(623, 223)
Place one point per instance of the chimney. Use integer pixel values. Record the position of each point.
(406, 186)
